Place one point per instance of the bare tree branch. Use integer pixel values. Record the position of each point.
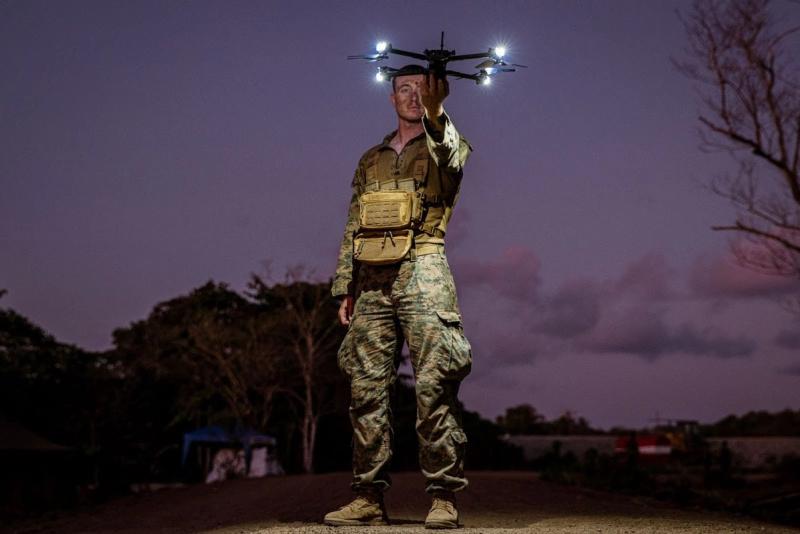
(751, 97)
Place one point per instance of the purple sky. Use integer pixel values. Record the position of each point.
(148, 146)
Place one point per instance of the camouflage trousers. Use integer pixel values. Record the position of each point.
(416, 301)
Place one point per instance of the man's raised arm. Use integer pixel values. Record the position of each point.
(449, 150)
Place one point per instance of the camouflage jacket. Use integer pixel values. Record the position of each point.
(448, 151)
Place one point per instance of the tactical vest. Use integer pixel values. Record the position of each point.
(392, 212)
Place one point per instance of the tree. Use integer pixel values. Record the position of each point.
(750, 86)
(45, 384)
(311, 336)
(60, 391)
(522, 419)
(217, 352)
(265, 360)
(760, 423)
(568, 424)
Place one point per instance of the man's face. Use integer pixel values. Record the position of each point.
(405, 98)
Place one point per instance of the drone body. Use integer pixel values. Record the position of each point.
(439, 58)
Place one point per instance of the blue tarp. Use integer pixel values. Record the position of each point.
(247, 438)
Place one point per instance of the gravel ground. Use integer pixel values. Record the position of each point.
(495, 501)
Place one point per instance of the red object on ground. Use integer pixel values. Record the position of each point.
(648, 444)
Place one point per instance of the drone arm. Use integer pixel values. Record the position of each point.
(456, 74)
(370, 57)
(471, 56)
(405, 53)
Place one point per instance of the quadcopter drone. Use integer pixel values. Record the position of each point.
(492, 65)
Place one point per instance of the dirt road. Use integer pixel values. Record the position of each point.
(495, 501)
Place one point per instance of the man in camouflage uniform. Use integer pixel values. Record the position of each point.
(412, 299)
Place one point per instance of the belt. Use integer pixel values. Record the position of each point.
(429, 248)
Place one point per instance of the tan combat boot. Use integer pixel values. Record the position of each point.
(366, 509)
(443, 512)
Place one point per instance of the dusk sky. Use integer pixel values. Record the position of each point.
(149, 146)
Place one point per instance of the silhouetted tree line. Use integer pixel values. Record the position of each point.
(759, 423)
(524, 419)
(263, 359)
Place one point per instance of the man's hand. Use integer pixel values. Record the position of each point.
(431, 92)
(346, 310)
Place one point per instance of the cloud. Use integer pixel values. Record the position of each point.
(574, 309)
(788, 339)
(511, 347)
(689, 340)
(513, 275)
(637, 312)
(722, 277)
(643, 331)
(577, 306)
(499, 330)
(791, 370)
(649, 277)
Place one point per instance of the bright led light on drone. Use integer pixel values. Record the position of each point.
(486, 81)
(381, 47)
(500, 51)
(380, 76)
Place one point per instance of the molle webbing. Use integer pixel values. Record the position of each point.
(402, 184)
(389, 210)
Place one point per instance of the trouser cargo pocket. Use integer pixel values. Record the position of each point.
(458, 352)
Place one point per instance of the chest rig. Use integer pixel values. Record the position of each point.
(393, 211)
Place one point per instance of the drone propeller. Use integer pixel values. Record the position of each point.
(489, 63)
(493, 63)
(369, 57)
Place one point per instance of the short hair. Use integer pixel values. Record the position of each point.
(408, 70)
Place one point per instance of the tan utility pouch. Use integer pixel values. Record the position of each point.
(389, 210)
(382, 248)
